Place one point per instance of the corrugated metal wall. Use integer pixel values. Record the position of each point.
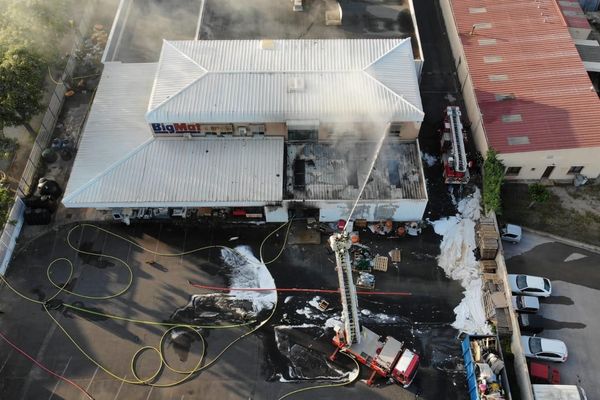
(590, 5)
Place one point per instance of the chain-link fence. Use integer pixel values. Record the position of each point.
(27, 184)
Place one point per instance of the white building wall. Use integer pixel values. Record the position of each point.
(534, 163)
(396, 210)
(276, 213)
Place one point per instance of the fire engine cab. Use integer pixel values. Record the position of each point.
(454, 156)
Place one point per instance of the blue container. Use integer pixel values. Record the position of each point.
(590, 5)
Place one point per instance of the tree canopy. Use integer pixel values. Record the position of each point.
(22, 75)
(493, 175)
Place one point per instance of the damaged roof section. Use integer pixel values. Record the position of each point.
(335, 171)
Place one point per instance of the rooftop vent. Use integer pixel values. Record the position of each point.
(296, 84)
(267, 44)
(505, 96)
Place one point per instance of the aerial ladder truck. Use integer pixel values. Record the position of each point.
(454, 156)
(385, 356)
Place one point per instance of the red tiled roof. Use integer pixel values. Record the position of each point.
(527, 53)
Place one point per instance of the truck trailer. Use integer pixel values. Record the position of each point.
(558, 392)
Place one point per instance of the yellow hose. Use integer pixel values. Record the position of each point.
(148, 380)
(151, 380)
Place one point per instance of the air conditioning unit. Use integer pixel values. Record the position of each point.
(296, 84)
(242, 131)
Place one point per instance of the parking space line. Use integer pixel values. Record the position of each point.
(120, 387)
(92, 380)
(59, 381)
(6, 361)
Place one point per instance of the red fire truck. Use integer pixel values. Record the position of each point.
(385, 356)
(454, 156)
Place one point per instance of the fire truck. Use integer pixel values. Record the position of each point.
(454, 156)
(385, 356)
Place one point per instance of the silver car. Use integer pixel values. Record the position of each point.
(544, 349)
(529, 285)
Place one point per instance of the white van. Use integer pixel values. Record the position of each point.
(558, 392)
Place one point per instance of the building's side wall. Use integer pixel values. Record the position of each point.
(533, 164)
(409, 130)
(396, 210)
(276, 129)
(276, 213)
(580, 33)
(466, 84)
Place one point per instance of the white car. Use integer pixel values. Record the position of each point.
(529, 285)
(526, 304)
(297, 5)
(511, 233)
(544, 349)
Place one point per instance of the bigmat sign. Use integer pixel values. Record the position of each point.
(192, 128)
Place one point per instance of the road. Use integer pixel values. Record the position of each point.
(570, 313)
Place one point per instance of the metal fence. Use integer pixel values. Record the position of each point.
(8, 239)
(12, 228)
(54, 108)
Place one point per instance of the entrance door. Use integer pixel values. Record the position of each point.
(548, 172)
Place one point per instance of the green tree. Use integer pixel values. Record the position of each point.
(538, 194)
(7, 198)
(22, 75)
(493, 175)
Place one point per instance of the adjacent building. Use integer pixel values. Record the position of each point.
(526, 89)
(258, 129)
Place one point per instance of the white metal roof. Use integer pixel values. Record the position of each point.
(115, 126)
(191, 172)
(249, 81)
(119, 163)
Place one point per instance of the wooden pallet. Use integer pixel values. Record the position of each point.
(380, 263)
(488, 266)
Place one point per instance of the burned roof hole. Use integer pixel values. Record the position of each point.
(300, 174)
(393, 173)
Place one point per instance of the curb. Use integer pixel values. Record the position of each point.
(569, 242)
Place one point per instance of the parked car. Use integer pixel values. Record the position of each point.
(526, 304)
(511, 233)
(529, 285)
(530, 323)
(544, 349)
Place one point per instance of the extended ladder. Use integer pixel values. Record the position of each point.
(340, 243)
(458, 143)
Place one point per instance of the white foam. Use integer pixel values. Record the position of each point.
(429, 159)
(458, 262)
(248, 272)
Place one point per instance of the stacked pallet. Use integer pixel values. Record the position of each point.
(487, 238)
(488, 266)
(380, 263)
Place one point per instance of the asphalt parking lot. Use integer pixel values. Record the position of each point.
(569, 313)
(251, 369)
